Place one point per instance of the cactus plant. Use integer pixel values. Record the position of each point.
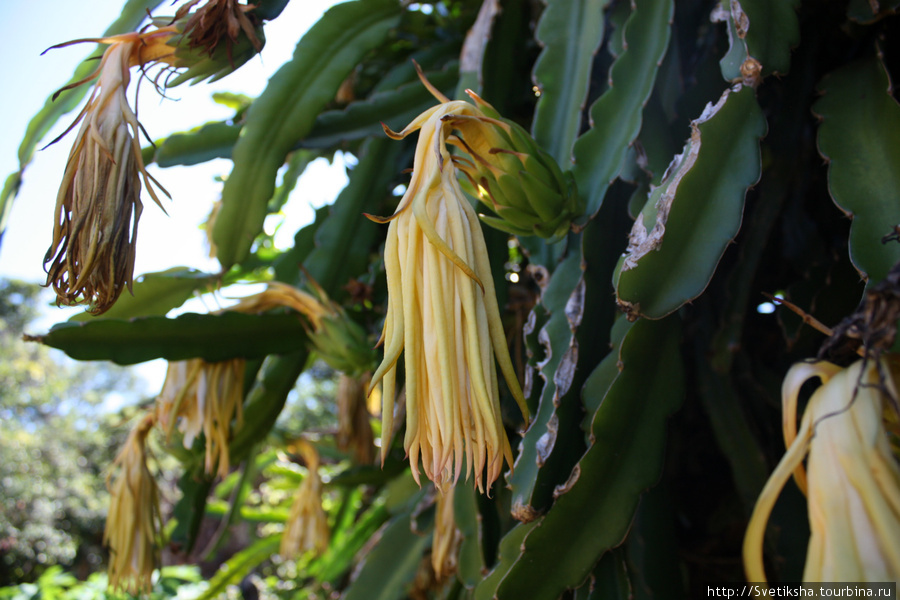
(708, 151)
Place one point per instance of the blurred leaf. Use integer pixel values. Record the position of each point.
(737, 53)
(155, 294)
(212, 140)
(344, 241)
(593, 511)
(340, 554)
(866, 11)
(389, 567)
(609, 579)
(616, 116)
(510, 547)
(240, 565)
(773, 30)
(194, 485)
(253, 514)
(471, 554)
(394, 108)
(532, 480)
(765, 30)
(287, 265)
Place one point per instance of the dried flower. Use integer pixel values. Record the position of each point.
(442, 311)
(91, 258)
(307, 526)
(133, 523)
(851, 481)
(204, 397)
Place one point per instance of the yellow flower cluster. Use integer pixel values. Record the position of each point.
(133, 523)
(851, 480)
(443, 314)
(204, 397)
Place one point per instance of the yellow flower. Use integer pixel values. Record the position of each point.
(852, 480)
(307, 526)
(91, 258)
(354, 430)
(339, 340)
(217, 21)
(278, 295)
(446, 540)
(442, 311)
(133, 523)
(204, 397)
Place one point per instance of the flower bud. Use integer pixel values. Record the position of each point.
(506, 170)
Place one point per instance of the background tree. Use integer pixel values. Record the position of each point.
(56, 443)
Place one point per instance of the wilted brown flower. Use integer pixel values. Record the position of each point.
(217, 21)
(133, 523)
(91, 258)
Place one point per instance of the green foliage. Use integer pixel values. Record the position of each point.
(652, 371)
(286, 112)
(860, 124)
(54, 584)
(55, 447)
